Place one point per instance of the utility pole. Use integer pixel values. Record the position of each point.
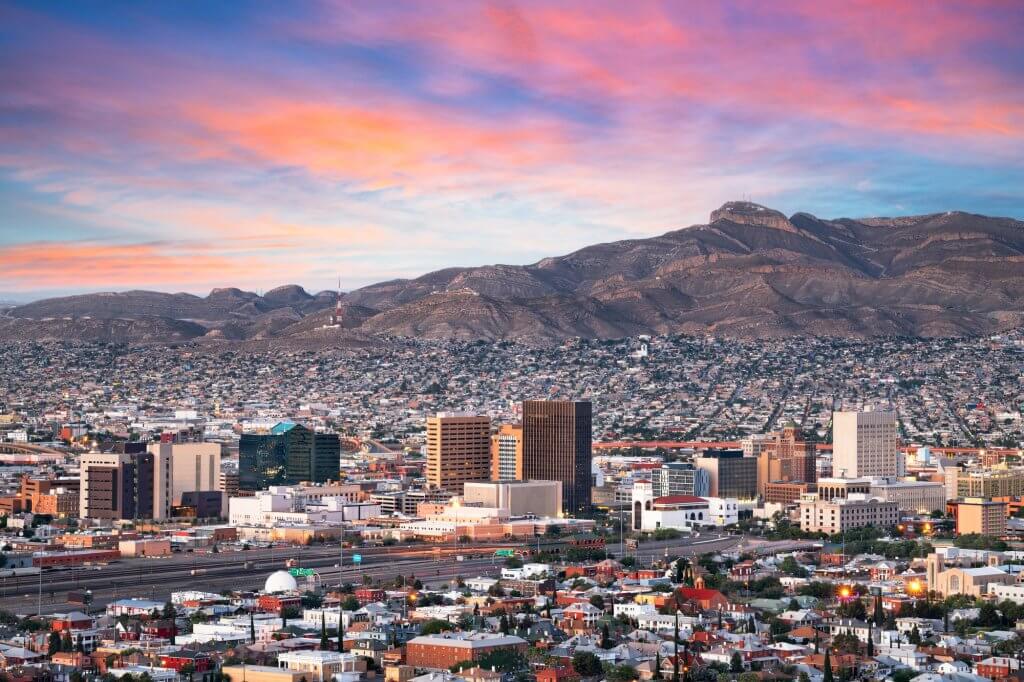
(675, 643)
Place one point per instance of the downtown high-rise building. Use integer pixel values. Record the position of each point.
(680, 478)
(458, 450)
(557, 442)
(864, 444)
(153, 484)
(785, 457)
(507, 453)
(289, 454)
(730, 474)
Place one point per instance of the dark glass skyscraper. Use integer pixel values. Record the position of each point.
(289, 454)
(557, 447)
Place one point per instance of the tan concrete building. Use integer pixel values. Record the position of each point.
(911, 496)
(542, 498)
(458, 450)
(864, 444)
(507, 453)
(195, 467)
(835, 516)
(262, 673)
(970, 581)
(984, 483)
(841, 488)
(985, 517)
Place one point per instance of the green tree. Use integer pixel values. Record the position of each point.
(436, 626)
(879, 614)
(586, 664)
(325, 642)
(53, 644)
(736, 663)
(620, 673)
(827, 668)
(789, 566)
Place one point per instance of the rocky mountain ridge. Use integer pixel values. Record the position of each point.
(749, 272)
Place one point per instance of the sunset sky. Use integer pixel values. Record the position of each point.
(186, 145)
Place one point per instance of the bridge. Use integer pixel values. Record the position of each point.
(28, 453)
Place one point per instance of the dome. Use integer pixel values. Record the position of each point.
(280, 581)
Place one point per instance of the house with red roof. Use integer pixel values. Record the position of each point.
(705, 598)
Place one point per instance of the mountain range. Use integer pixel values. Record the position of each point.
(749, 272)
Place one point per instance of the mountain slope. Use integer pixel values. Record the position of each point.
(750, 271)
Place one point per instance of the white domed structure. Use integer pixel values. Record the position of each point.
(280, 581)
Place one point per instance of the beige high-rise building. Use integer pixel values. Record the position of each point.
(984, 483)
(195, 467)
(985, 517)
(458, 450)
(864, 444)
(507, 453)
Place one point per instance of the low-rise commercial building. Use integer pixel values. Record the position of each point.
(838, 515)
(911, 496)
(440, 652)
(540, 498)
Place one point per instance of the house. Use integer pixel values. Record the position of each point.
(706, 599)
(76, 620)
(178, 660)
(557, 674)
(850, 626)
(995, 667)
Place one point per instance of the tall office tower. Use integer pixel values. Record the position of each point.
(680, 478)
(107, 486)
(195, 467)
(730, 473)
(458, 450)
(124, 486)
(326, 457)
(289, 454)
(557, 443)
(786, 457)
(507, 453)
(864, 444)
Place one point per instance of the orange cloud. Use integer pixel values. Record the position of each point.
(379, 147)
(53, 265)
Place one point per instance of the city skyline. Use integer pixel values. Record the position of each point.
(184, 148)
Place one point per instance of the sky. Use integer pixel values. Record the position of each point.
(186, 145)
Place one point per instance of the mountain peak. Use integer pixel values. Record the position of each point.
(749, 213)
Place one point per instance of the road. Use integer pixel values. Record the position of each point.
(157, 578)
(245, 570)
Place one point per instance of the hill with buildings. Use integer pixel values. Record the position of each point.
(749, 272)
